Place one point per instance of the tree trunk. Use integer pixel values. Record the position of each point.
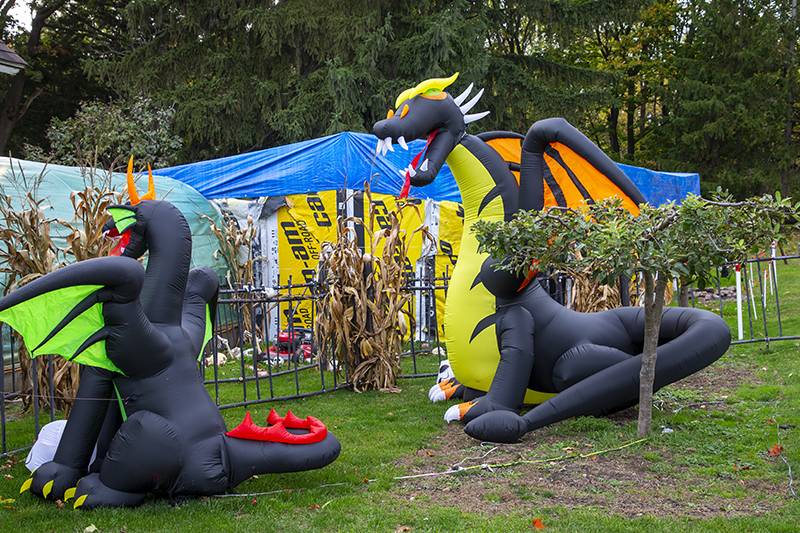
(683, 294)
(653, 307)
(14, 104)
(630, 122)
(613, 134)
(791, 89)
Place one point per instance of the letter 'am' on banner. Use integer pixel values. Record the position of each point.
(304, 224)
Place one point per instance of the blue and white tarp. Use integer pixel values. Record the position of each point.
(346, 160)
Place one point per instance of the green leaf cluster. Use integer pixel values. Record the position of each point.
(688, 241)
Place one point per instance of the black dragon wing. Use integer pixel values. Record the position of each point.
(62, 313)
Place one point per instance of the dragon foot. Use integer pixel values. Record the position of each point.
(51, 480)
(444, 390)
(468, 411)
(91, 492)
(497, 426)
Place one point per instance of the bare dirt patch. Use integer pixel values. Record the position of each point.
(720, 378)
(627, 482)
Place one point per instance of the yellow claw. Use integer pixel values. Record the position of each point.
(47, 488)
(26, 485)
(80, 501)
(69, 493)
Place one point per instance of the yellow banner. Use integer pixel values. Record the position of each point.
(451, 224)
(307, 221)
(412, 218)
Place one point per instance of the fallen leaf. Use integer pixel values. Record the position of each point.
(254, 501)
(776, 450)
(6, 501)
(91, 528)
(59, 504)
(537, 523)
(8, 476)
(313, 507)
(402, 529)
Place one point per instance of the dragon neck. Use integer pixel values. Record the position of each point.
(169, 241)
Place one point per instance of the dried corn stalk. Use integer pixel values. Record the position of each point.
(235, 247)
(362, 299)
(28, 253)
(588, 295)
(90, 205)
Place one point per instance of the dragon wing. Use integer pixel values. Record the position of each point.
(555, 164)
(561, 166)
(61, 313)
(508, 145)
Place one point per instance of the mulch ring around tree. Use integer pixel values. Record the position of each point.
(635, 481)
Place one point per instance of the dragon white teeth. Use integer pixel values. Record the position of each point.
(402, 142)
(424, 166)
(411, 171)
(474, 117)
(463, 96)
(387, 142)
(469, 105)
(379, 147)
(402, 173)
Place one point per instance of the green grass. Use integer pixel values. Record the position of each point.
(715, 452)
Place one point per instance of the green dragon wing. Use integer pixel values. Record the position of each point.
(62, 313)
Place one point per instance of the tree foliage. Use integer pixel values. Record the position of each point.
(689, 85)
(106, 134)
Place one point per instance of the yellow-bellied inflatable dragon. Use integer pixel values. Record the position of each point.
(584, 363)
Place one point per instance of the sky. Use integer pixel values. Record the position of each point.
(22, 13)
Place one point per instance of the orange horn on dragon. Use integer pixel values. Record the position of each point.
(133, 194)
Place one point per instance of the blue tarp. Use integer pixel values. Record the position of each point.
(346, 160)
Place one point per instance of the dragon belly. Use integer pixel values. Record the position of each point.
(473, 361)
(471, 345)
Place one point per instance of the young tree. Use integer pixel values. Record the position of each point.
(689, 240)
(100, 132)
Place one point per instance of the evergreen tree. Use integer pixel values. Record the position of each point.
(727, 101)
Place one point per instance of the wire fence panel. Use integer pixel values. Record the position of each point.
(758, 317)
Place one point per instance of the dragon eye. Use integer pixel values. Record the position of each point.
(389, 114)
(404, 112)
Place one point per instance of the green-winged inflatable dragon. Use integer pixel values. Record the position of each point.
(141, 400)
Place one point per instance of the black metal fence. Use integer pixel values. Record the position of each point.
(263, 347)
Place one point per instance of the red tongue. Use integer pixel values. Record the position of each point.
(415, 162)
(123, 242)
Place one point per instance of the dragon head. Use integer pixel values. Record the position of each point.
(128, 221)
(427, 112)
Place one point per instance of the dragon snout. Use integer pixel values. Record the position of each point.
(388, 133)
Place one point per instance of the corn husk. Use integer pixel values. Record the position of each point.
(363, 311)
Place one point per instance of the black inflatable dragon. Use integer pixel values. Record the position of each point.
(508, 342)
(141, 400)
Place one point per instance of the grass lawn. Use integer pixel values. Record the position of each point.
(710, 471)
